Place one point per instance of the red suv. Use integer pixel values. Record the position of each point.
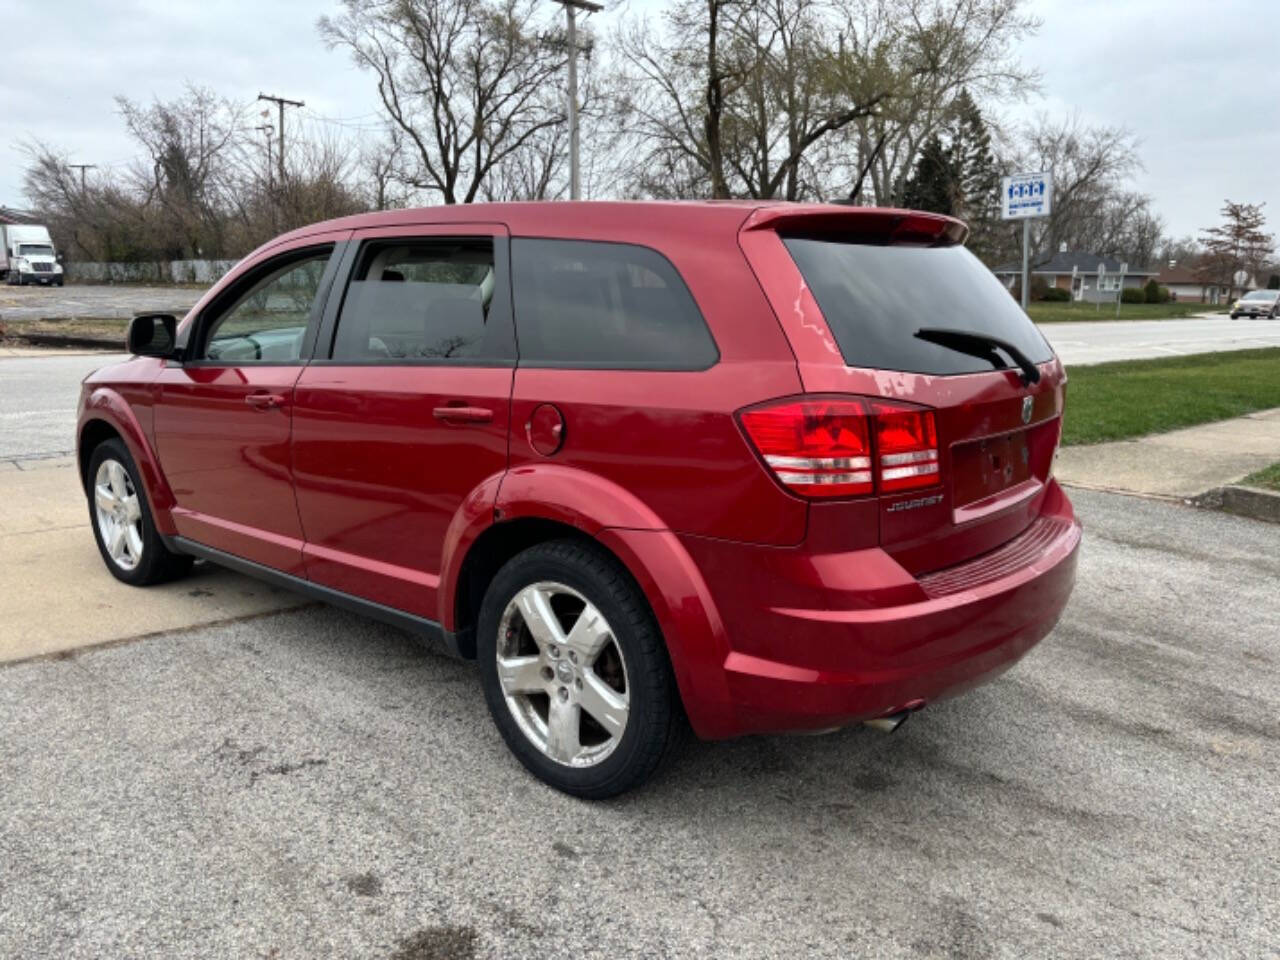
(768, 466)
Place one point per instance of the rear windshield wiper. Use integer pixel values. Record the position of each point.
(981, 345)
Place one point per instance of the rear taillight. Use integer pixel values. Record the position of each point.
(821, 447)
(906, 446)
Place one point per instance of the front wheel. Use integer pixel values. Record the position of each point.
(575, 671)
(122, 523)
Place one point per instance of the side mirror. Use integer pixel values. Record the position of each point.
(152, 335)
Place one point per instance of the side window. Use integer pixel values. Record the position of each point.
(268, 321)
(605, 305)
(422, 300)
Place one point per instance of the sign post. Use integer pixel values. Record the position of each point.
(1023, 196)
(1124, 268)
(1102, 275)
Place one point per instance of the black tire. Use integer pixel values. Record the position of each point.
(655, 723)
(157, 564)
(57, 283)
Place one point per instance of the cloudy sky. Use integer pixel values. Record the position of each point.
(1196, 82)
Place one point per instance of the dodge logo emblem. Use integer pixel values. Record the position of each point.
(1028, 404)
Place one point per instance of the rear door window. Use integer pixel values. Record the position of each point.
(875, 298)
(605, 305)
(423, 300)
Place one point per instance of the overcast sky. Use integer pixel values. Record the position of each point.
(1197, 82)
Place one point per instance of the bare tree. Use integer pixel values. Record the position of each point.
(743, 111)
(190, 143)
(929, 51)
(1093, 209)
(1237, 245)
(463, 80)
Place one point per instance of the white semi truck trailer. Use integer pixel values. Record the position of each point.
(27, 255)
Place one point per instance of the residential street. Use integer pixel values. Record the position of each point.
(313, 784)
(38, 402)
(1076, 343)
(1103, 341)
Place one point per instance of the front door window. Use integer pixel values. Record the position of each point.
(269, 321)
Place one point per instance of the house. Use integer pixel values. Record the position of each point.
(9, 216)
(1188, 285)
(1077, 271)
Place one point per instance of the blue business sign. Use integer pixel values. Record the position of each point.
(1026, 195)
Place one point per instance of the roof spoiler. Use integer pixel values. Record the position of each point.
(860, 224)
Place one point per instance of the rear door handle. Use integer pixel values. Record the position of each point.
(463, 414)
(264, 401)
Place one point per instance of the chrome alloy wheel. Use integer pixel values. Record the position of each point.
(562, 674)
(119, 514)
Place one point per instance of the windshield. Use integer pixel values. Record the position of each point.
(1261, 295)
(35, 250)
(875, 298)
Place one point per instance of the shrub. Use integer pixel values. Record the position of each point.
(1165, 296)
(1151, 292)
(1057, 295)
(1133, 295)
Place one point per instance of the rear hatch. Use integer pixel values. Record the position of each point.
(962, 394)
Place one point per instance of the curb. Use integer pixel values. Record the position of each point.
(65, 340)
(1243, 501)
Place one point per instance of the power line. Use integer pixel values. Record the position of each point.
(281, 103)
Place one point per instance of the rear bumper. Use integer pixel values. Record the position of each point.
(796, 666)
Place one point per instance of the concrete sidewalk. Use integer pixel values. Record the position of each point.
(1177, 465)
(56, 594)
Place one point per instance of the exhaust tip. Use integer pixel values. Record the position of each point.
(888, 724)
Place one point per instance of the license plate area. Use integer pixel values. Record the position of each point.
(982, 468)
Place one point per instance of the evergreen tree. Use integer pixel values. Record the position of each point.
(975, 193)
(959, 176)
(932, 186)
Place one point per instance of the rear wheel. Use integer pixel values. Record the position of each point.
(575, 671)
(122, 522)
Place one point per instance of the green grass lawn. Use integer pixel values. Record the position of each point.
(1081, 312)
(1114, 401)
(1268, 479)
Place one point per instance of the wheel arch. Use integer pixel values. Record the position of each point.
(107, 414)
(550, 502)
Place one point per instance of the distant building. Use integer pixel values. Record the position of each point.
(9, 216)
(1057, 272)
(1187, 284)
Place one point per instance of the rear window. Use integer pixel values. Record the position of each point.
(605, 305)
(875, 298)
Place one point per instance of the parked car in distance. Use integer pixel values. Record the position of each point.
(644, 462)
(1257, 303)
(27, 255)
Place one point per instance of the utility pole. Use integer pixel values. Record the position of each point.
(82, 167)
(571, 7)
(281, 103)
(267, 129)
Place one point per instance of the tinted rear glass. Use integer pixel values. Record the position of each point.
(605, 305)
(875, 298)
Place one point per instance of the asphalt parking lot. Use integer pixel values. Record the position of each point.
(310, 784)
(234, 775)
(94, 300)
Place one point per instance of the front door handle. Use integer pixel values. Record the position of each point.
(463, 414)
(264, 401)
